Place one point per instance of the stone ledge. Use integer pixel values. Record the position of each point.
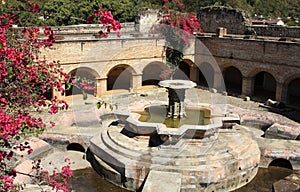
(162, 181)
(278, 131)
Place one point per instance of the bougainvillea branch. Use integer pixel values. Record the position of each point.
(25, 78)
(177, 28)
(105, 18)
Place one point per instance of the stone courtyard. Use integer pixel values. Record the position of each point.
(81, 123)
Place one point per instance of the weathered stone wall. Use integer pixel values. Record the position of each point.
(238, 22)
(277, 31)
(281, 59)
(145, 19)
(214, 17)
(103, 54)
(89, 29)
(251, 56)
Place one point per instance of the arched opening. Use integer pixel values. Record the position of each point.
(75, 147)
(233, 80)
(83, 79)
(151, 73)
(119, 77)
(280, 162)
(294, 92)
(206, 75)
(183, 72)
(264, 86)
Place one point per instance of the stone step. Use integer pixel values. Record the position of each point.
(120, 150)
(109, 156)
(162, 181)
(188, 188)
(118, 161)
(126, 142)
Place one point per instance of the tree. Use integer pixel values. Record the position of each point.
(68, 12)
(122, 9)
(24, 80)
(26, 17)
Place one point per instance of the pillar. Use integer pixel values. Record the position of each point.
(101, 86)
(136, 81)
(281, 93)
(247, 86)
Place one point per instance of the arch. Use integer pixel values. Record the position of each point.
(183, 72)
(264, 86)
(233, 80)
(293, 92)
(206, 75)
(280, 162)
(84, 73)
(152, 72)
(75, 147)
(120, 77)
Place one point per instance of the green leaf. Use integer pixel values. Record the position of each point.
(99, 104)
(10, 72)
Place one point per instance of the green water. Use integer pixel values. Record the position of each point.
(158, 114)
(265, 178)
(87, 180)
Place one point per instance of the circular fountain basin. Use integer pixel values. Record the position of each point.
(202, 156)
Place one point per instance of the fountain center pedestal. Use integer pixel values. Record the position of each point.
(176, 94)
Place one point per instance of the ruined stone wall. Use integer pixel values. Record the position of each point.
(238, 22)
(277, 31)
(235, 20)
(145, 19)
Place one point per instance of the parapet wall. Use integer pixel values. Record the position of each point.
(277, 31)
(85, 29)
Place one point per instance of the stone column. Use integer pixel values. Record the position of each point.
(247, 86)
(136, 81)
(101, 86)
(281, 93)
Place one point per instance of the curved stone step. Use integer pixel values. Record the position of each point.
(124, 141)
(120, 150)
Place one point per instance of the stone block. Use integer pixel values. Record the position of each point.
(285, 185)
(278, 131)
(247, 98)
(213, 90)
(162, 181)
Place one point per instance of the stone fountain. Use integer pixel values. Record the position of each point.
(176, 94)
(211, 156)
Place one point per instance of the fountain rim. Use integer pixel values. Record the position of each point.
(177, 84)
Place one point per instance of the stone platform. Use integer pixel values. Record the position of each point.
(210, 164)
